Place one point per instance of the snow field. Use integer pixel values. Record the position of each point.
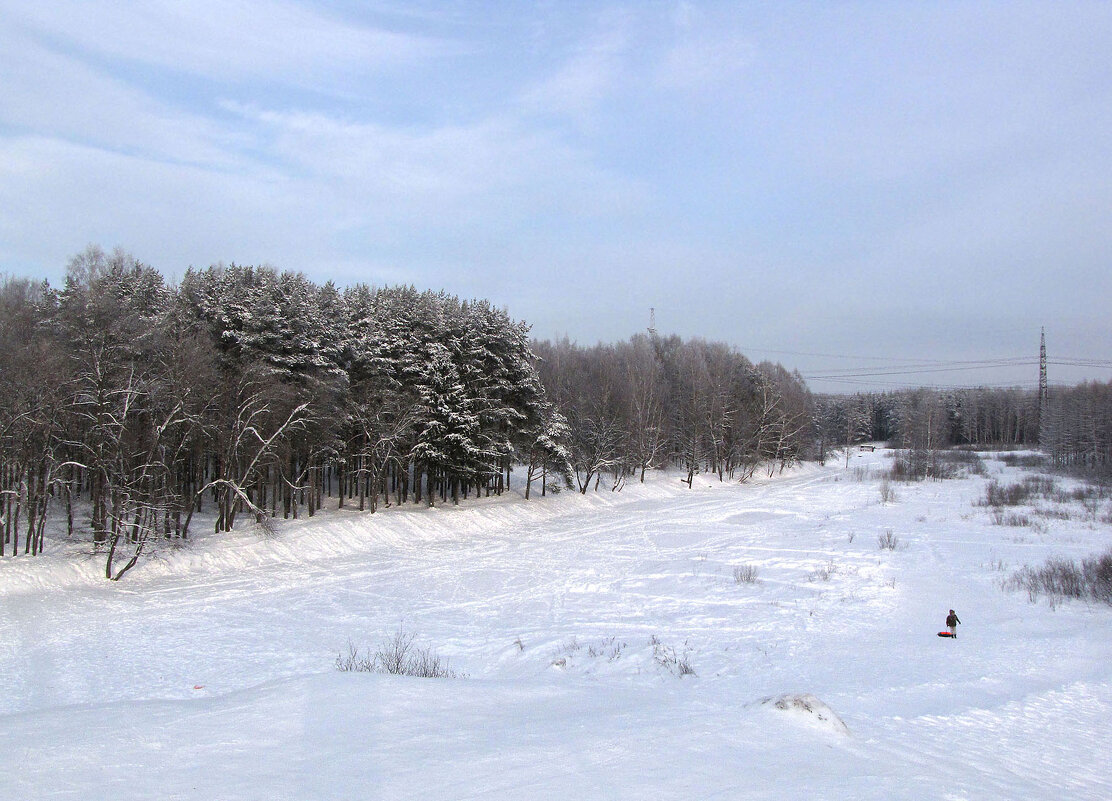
(208, 673)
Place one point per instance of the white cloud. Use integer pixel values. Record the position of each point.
(591, 73)
(577, 88)
(64, 196)
(226, 39)
(319, 194)
(496, 172)
(57, 95)
(705, 60)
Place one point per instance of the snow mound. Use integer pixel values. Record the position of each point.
(809, 709)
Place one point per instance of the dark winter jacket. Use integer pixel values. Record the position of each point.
(952, 620)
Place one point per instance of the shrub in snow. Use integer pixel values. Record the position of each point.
(1035, 461)
(679, 665)
(745, 574)
(997, 494)
(1098, 576)
(965, 461)
(570, 647)
(1014, 519)
(397, 656)
(888, 541)
(1061, 579)
(917, 464)
(355, 662)
(823, 573)
(609, 648)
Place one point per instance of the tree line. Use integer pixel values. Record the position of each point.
(1073, 425)
(1076, 428)
(651, 401)
(129, 405)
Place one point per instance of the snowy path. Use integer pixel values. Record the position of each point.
(101, 676)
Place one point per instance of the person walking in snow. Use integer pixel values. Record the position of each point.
(952, 623)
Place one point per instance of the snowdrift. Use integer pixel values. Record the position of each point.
(807, 709)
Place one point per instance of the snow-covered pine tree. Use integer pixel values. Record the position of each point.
(448, 450)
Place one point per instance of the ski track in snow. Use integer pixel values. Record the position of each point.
(208, 672)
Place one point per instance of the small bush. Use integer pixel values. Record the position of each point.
(905, 470)
(679, 665)
(918, 464)
(355, 662)
(572, 646)
(888, 541)
(1089, 496)
(1057, 578)
(1097, 576)
(1061, 579)
(1030, 461)
(398, 656)
(997, 494)
(1010, 519)
(887, 493)
(1054, 514)
(1042, 486)
(611, 648)
(745, 574)
(573, 651)
(967, 461)
(823, 573)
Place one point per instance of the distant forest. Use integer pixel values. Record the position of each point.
(128, 405)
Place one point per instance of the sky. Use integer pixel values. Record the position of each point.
(877, 194)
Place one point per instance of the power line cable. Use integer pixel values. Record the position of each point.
(911, 370)
(920, 371)
(1080, 361)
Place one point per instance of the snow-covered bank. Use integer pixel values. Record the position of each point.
(339, 532)
(209, 672)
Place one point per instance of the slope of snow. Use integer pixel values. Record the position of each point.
(209, 671)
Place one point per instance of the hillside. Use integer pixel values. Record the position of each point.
(727, 641)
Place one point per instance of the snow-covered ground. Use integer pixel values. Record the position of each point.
(209, 672)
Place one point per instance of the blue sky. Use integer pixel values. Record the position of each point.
(830, 185)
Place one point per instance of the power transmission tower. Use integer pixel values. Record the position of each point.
(652, 321)
(1044, 396)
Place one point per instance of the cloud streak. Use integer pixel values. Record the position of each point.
(228, 39)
